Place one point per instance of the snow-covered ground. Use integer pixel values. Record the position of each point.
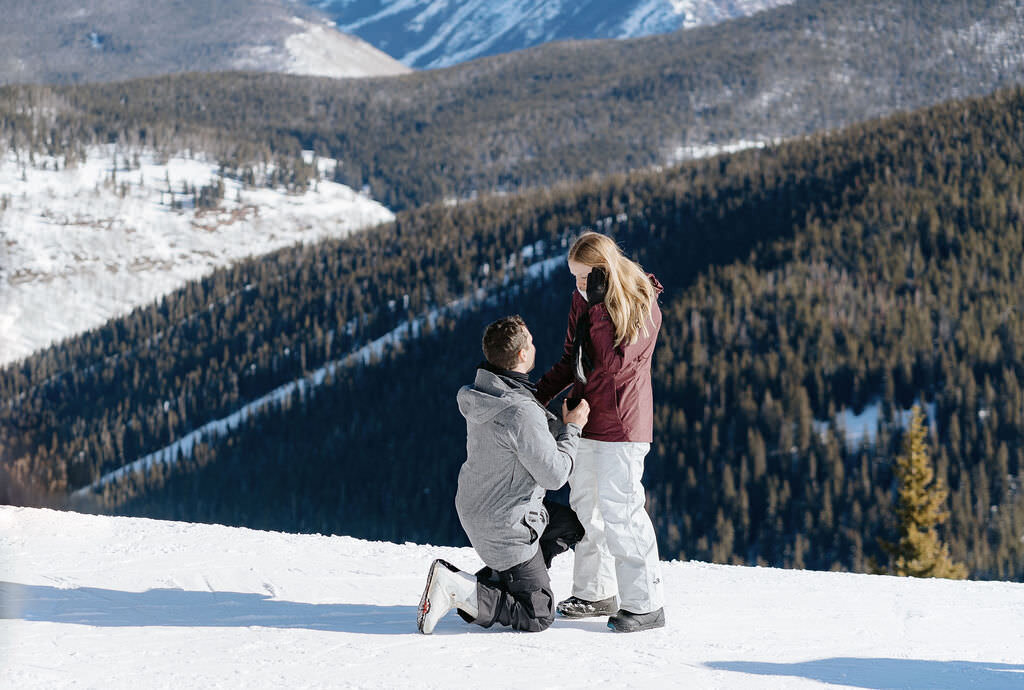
(80, 245)
(100, 602)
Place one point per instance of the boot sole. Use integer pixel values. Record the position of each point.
(595, 614)
(576, 612)
(424, 608)
(640, 628)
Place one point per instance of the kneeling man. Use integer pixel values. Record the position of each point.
(515, 450)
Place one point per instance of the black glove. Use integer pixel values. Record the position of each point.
(597, 286)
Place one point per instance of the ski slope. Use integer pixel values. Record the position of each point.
(85, 243)
(101, 602)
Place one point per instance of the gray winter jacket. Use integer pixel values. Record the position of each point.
(512, 456)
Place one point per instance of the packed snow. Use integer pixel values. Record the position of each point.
(82, 244)
(102, 602)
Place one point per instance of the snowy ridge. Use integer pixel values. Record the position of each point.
(102, 602)
(85, 243)
(437, 33)
(171, 454)
(319, 50)
(54, 41)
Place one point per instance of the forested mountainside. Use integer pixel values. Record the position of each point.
(882, 265)
(57, 42)
(559, 111)
(426, 34)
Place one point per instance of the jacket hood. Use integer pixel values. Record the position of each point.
(489, 396)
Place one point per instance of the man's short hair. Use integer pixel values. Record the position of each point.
(503, 340)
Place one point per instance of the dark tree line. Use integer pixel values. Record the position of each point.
(881, 265)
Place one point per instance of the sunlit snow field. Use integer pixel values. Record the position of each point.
(101, 602)
(74, 252)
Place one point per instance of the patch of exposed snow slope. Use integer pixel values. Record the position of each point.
(323, 51)
(80, 245)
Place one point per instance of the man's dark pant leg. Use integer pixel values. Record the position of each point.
(521, 596)
(562, 533)
(521, 599)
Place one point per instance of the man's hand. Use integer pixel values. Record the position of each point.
(579, 415)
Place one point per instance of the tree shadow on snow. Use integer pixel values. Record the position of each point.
(889, 673)
(175, 607)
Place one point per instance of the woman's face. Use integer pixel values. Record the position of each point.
(580, 273)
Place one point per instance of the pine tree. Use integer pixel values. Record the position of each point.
(919, 552)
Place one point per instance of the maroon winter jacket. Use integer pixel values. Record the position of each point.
(619, 387)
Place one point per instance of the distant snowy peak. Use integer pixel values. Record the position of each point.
(322, 51)
(440, 33)
(46, 41)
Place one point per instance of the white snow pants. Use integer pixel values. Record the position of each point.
(619, 553)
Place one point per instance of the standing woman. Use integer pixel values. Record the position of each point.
(613, 326)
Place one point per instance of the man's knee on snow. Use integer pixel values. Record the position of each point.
(539, 607)
(535, 624)
(543, 624)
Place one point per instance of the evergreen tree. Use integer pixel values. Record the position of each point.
(919, 552)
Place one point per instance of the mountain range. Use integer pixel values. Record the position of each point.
(564, 110)
(49, 41)
(430, 33)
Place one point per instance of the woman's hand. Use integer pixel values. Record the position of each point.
(597, 286)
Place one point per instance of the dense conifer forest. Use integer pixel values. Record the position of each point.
(555, 112)
(881, 265)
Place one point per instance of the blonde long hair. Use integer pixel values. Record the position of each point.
(630, 294)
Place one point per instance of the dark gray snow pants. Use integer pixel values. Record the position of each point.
(521, 596)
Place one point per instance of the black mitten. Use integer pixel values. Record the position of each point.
(597, 286)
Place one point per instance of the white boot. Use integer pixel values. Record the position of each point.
(447, 588)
